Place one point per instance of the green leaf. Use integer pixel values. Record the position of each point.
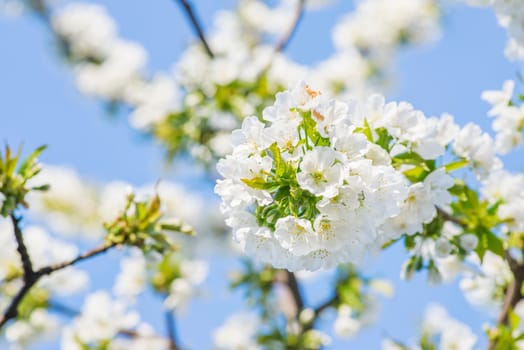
(259, 183)
(29, 161)
(384, 138)
(450, 167)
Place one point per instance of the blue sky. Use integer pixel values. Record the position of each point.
(41, 106)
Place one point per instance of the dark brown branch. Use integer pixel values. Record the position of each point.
(171, 333)
(513, 295)
(27, 265)
(286, 38)
(291, 282)
(513, 292)
(31, 279)
(40, 8)
(328, 303)
(195, 23)
(12, 310)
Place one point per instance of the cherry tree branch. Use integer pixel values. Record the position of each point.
(290, 280)
(448, 217)
(32, 277)
(27, 265)
(286, 38)
(513, 293)
(87, 255)
(195, 23)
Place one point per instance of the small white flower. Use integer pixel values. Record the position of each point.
(468, 241)
(321, 171)
(296, 235)
(442, 247)
(346, 326)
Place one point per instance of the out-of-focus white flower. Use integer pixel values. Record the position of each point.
(508, 118)
(511, 17)
(237, 332)
(486, 287)
(478, 148)
(133, 276)
(453, 334)
(22, 333)
(69, 206)
(403, 21)
(186, 287)
(345, 325)
(101, 319)
(88, 29)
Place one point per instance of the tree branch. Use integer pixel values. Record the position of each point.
(12, 310)
(286, 38)
(513, 295)
(34, 276)
(448, 217)
(328, 303)
(195, 23)
(513, 292)
(89, 254)
(27, 265)
(291, 282)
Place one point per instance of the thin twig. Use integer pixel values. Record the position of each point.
(448, 217)
(195, 23)
(27, 265)
(328, 303)
(40, 7)
(89, 254)
(286, 38)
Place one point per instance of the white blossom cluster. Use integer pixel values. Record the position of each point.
(306, 188)
(485, 287)
(44, 250)
(443, 254)
(510, 15)
(507, 189)
(441, 331)
(101, 322)
(401, 22)
(452, 333)
(508, 117)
